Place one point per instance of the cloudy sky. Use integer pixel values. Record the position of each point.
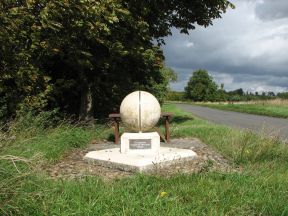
(247, 48)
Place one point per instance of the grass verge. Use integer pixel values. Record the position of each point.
(260, 189)
(266, 108)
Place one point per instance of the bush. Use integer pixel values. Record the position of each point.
(175, 96)
(283, 95)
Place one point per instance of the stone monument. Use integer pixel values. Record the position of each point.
(140, 111)
(140, 146)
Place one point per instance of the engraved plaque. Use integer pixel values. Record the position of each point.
(140, 143)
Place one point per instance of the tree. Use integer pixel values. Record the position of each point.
(85, 56)
(22, 83)
(221, 93)
(91, 54)
(271, 94)
(201, 87)
(161, 15)
(283, 95)
(239, 92)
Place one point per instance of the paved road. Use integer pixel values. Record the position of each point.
(262, 124)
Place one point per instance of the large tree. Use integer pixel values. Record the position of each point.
(201, 87)
(162, 15)
(84, 56)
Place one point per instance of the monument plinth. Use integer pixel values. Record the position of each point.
(140, 148)
(140, 142)
(140, 111)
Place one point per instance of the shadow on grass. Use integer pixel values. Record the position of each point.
(111, 138)
(175, 120)
(181, 119)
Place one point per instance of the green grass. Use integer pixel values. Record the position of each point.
(260, 189)
(280, 111)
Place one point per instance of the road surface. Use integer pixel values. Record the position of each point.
(260, 124)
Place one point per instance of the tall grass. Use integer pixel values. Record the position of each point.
(44, 134)
(261, 188)
(240, 146)
(28, 143)
(274, 102)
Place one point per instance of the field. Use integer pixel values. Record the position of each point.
(261, 188)
(274, 108)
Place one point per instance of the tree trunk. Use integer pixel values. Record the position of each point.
(85, 112)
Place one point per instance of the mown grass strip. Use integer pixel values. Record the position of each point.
(258, 109)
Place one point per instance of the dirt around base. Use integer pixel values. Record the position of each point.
(72, 166)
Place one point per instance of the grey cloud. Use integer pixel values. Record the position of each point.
(268, 80)
(272, 9)
(239, 50)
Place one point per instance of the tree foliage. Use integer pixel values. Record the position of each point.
(201, 87)
(85, 56)
(283, 95)
(184, 15)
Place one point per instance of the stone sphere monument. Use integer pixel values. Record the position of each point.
(140, 148)
(140, 111)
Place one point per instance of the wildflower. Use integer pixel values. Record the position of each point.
(163, 194)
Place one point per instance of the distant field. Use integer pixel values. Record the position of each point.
(274, 108)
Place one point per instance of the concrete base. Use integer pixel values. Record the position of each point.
(139, 162)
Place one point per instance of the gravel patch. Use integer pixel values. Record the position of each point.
(72, 165)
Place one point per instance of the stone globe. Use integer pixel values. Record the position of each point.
(140, 111)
